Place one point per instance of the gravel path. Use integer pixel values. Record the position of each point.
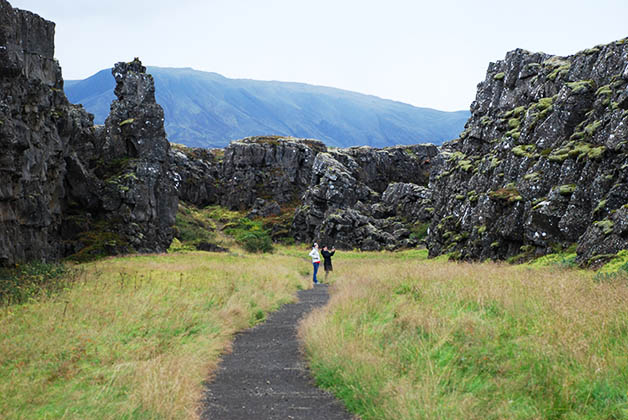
(265, 378)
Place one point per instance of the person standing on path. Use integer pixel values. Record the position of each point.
(316, 260)
(327, 254)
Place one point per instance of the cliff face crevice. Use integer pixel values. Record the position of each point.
(543, 161)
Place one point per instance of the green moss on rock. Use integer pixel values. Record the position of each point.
(566, 189)
(581, 86)
(605, 225)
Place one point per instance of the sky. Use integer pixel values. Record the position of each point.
(425, 53)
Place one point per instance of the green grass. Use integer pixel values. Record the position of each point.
(194, 225)
(406, 339)
(617, 264)
(250, 234)
(134, 337)
(212, 223)
(25, 282)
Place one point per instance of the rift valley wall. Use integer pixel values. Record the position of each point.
(543, 162)
(358, 197)
(32, 165)
(68, 186)
(541, 166)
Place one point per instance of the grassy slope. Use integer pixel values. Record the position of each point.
(412, 339)
(135, 337)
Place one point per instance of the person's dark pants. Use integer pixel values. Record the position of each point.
(315, 271)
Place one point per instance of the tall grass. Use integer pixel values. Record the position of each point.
(134, 337)
(409, 339)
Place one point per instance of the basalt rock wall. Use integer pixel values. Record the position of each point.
(542, 163)
(32, 165)
(69, 186)
(354, 198)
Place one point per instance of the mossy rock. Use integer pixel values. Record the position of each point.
(126, 122)
(525, 150)
(605, 225)
(567, 189)
(508, 194)
(581, 86)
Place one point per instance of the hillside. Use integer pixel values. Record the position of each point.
(208, 110)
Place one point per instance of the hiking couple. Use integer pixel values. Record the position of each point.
(316, 260)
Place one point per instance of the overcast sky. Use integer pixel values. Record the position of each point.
(426, 53)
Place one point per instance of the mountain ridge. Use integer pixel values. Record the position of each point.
(207, 109)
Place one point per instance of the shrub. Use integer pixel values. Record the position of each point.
(251, 235)
(419, 230)
(255, 241)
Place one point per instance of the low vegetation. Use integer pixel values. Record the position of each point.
(215, 224)
(132, 337)
(416, 339)
(403, 337)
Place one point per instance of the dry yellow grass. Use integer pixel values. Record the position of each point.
(135, 337)
(409, 339)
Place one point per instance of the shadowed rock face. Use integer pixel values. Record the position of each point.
(65, 179)
(543, 162)
(32, 150)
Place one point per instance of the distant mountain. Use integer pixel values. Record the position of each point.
(208, 110)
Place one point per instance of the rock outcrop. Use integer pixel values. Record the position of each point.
(69, 186)
(271, 168)
(121, 193)
(354, 198)
(142, 196)
(543, 161)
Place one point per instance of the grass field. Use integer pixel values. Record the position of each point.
(135, 337)
(405, 338)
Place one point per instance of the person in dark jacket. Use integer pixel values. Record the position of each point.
(327, 254)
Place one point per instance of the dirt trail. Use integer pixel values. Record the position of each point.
(265, 378)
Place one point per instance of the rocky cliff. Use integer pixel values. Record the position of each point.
(32, 160)
(366, 198)
(354, 198)
(543, 162)
(69, 186)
